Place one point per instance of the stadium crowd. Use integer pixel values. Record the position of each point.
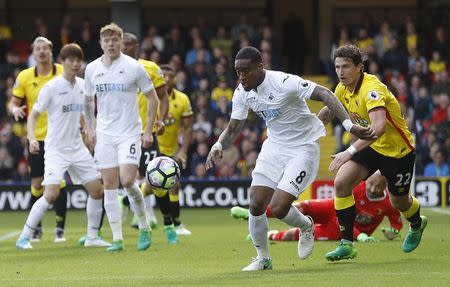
(415, 67)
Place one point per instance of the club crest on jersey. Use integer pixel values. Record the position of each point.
(304, 84)
(271, 97)
(373, 96)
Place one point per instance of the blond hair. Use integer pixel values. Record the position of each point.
(112, 28)
(42, 39)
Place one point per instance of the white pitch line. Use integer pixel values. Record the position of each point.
(441, 210)
(9, 235)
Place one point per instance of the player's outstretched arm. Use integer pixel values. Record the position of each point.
(226, 138)
(337, 109)
(31, 127)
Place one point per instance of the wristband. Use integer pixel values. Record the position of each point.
(352, 150)
(217, 146)
(347, 124)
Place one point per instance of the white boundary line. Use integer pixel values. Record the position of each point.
(9, 235)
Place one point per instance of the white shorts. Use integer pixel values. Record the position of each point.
(79, 164)
(289, 169)
(112, 151)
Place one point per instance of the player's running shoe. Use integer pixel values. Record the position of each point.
(306, 241)
(116, 246)
(23, 243)
(239, 212)
(345, 250)
(412, 239)
(83, 238)
(259, 264)
(182, 230)
(96, 242)
(37, 235)
(171, 234)
(59, 235)
(145, 239)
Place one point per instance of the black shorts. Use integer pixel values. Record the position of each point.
(148, 154)
(36, 161)
(398, 171)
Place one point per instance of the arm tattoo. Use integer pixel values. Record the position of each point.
(331, 101)
(228, 136)
(325, 115)
(89, 112)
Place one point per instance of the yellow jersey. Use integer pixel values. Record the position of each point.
(28, 85)
(157, 77)
(372, 94)
(179, 108)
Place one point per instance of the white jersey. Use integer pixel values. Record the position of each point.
(281, 101)
(64, 105)
(116, 89)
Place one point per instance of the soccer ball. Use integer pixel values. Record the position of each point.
(163, 172)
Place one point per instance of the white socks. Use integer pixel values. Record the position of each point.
(112, 209)
(296, 219)
(94, 211)
(36, 213)
(149, 208)
(137, 201)
(258, 227)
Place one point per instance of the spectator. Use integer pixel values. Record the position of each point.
(174, 44)
(382, 38)
(437, 65)
(441, 85)
(192, 54)
(22, 174)
(395, 60)
(441, 43)
(221, 41)
(438, 167)
(6, 164)
(415, 57)
(222, 90)
(202, 123)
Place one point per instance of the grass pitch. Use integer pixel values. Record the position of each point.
(214, 255)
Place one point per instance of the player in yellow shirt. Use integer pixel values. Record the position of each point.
(26, 88)
(130, 47)
(370, 103)
(179, 118)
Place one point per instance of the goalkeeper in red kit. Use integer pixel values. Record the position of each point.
(372, 205)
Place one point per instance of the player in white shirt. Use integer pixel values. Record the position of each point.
(289, 158)
(62, 98)
(115, 79)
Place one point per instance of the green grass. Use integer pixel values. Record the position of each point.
(214, 256)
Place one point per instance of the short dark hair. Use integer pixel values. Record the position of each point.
(167, 68)
(71, 50)
(351, 52)
(130, 36)
(249, 53)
